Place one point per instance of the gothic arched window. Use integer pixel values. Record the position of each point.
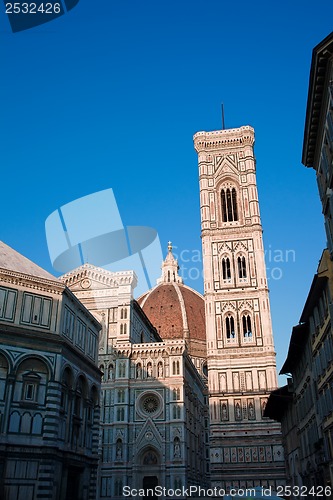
(119, 449)
(234, 204)
(175, 368)
(122, 370)
(224, 206)
(120, 414)
(226, 272)
(230, 327)
(241, 267)
(229, 205)
(121, 396)
(247, 329)
(176, 412)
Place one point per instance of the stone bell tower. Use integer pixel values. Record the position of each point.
(245, 447)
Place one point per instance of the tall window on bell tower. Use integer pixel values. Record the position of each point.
(247, 328)
(226, 272)
(230, 327)
(229, 205)
(241, 267)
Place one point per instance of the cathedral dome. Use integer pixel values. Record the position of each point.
(176, 310)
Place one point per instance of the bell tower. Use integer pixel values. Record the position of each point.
(245, 447)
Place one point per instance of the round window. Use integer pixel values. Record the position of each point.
(150, 404)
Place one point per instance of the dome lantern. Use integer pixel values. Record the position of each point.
(170, 268)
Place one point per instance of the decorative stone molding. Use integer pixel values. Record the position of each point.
(215, 140)
(102, 276)
(27, 281)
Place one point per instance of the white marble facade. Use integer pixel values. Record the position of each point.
(153, 409)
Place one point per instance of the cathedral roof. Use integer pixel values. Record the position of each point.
(11, 260)
(176, 310)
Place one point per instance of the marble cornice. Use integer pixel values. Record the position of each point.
(219, 139)
(237, 230)
(33, 282)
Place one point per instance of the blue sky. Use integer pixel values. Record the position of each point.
(110, 95)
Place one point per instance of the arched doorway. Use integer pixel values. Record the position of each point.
(150, 466)
(148, 485)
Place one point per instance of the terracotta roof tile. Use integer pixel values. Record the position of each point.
(163, 308)
(11, 260)
(195, 312)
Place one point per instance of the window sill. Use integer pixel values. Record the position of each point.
(28, 404)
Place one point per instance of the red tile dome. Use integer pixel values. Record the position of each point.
(176, 310)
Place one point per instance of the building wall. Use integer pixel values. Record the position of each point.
(49, 391)
(320, 327)
(290, 432)
(308, 429)
(318, 132)
(318, 154)
(324, 168)
(306, 414)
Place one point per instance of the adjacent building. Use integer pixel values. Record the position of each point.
(305, 405)
(62, 436)
(154, 419)
(245, 447)
(49, 386)
(318, 132)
